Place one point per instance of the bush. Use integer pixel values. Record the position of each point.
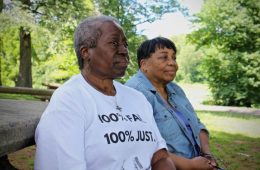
(233, 78)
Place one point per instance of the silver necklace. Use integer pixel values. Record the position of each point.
(117, 106)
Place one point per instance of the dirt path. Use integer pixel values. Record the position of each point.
(197, 93)
(23, 159)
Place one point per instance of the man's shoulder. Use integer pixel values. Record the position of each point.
(69, 89)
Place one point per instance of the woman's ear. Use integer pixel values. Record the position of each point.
(143, 64)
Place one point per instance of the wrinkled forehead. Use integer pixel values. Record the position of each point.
(110, 28)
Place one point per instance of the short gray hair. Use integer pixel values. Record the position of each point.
(88, 32)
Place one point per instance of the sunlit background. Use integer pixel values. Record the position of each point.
(172, 23)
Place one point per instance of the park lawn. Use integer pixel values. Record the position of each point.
(235, 152)
(231, 123)
(17, 96)
(231, 140)
(234, 139)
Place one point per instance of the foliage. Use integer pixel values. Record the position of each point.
(51, 24)
(229, 34)
(233, 78)
(229, 25)
(188, 59)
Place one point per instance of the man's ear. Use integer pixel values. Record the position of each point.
(84, 53)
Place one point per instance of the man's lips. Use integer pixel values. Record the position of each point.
(122, 62)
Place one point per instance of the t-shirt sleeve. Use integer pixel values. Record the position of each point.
(60, 136)
(160, 141)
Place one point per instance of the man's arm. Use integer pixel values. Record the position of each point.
(161, 161)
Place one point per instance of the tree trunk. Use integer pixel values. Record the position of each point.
(1, 45)
(1, 57)
(1, 5)
(25, 69)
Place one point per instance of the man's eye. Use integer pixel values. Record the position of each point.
(126, 44)
(114, 43)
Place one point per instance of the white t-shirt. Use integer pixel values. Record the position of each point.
(81, 129)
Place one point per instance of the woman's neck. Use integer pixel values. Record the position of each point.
(104, 86)
(161, 89)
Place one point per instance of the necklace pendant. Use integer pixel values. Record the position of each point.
(118, 108)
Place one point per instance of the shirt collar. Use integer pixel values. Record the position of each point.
(149, 85)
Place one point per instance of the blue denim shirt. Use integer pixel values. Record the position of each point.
(172, 129)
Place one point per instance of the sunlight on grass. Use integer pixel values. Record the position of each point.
(232, 125)
(17, 96)
(235, 152)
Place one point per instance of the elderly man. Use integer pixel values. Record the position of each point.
(93, 122)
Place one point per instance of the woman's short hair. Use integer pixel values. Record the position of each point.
(149, 46)
(88, 32)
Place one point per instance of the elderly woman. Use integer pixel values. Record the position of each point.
(185, 135)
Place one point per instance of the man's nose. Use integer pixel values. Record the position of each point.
(123, 49)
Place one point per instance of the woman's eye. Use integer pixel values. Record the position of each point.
(164, 57)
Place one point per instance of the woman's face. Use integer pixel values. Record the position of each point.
(161, 66)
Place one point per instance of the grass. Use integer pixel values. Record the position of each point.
(232, 123)
(234, 139)
(17, 96)
(235, 151)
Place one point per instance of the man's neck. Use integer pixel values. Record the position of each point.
(104, 86)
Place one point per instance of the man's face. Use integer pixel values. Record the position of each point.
(109, 59)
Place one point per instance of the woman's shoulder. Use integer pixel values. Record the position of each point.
(127, 89)
(175, 87)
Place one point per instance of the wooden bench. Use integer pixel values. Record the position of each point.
(18, 120)
(51, 85)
